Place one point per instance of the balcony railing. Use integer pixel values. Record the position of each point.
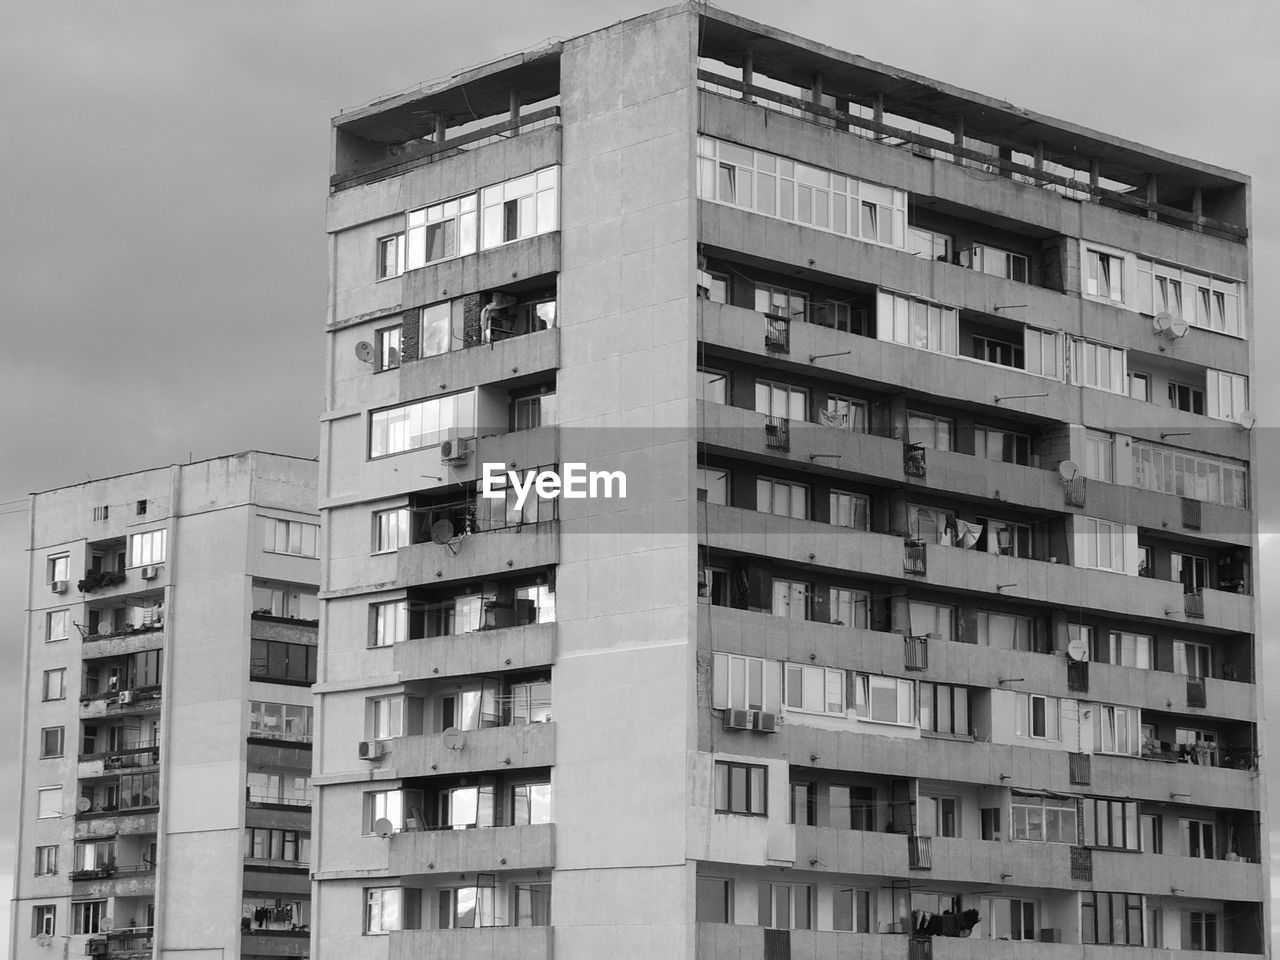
(1196, 692)
(1081, 863)
(122, 943)
(919, 853)
(1193, 604)
(777, 944)
(264, 800)
(1079, 768)
(913, 558)
(1078, 676)
(916, 653)
(1073, 491)
(913, 461)
(777, 433)
(919, 948)
(777, 333)
(1190, 513)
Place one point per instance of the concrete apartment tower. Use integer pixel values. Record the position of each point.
(926, 627)
(166, 746)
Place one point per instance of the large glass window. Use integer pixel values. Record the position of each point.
(1037, 717)
(1043, 818)
(1123, 649)
(917, 323)
(1104, 276)
(391, 908)
(1042, 352)
(782, 498)
(147, 548)
(812, 689)
(1111, 918)
(390, 529)
(440, 232)
(1115, 729)
(1099, 456)
(847, 607)
(791, 599)
(278, 661)
(289, 536)
(423, 423)
(1102, 544)
(279, 721)
(884, 699)
(934, 432)
(520, 208)
(782, 400)
(785, 906)
(1192, 475)
(390, 623)
(740, 788)
(1227, 395)
(944, 709)
(1099, 366)
(1111, 823)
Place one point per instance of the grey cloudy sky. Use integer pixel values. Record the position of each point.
(163, 274)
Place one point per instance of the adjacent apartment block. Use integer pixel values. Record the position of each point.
(926, 625)
(166, 747)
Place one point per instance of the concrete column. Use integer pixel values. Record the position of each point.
(441, 128)
(1095, 174)
(1038, 157)
(877, 113)
(1006, 155)
(514, 101)
(748, 73)
(1197, 208)
(843, 106)
(958, 138)
(1151, 195)
(815, 93)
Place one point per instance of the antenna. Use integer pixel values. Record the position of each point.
(1078, 649)
(1247, 420)
(453, 738)
(364, 351)
(1178, 329)
(107, 923)
(1162, 322)
(383, 827)
(442, 531)
(83, 804)
(1068, 470)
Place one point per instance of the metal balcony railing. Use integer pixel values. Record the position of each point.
(920, 948)
(1193, 604)
(919, 853)
(1190, 513)
(913, 461)
(1078, 676)
(1079, 768)
(913, 557)
(777, 944)
(1073, 491)
(1081, 863)
(777, 333)
(777, 433)
(1196, 692)
(916, 652)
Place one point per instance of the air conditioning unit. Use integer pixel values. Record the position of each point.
(765, 722)
(455, 449)
(737, 720)
(370, 749)
(126, 696)
(150, 573)
(59, 586)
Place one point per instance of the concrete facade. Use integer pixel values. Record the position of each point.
(927, 623)
(185, 733)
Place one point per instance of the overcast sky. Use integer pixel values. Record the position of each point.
(162, 246)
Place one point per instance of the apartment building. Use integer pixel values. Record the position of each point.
(926, 627)
(166, 746)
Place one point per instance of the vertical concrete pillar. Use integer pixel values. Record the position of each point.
(1151, 195)
(1197, 209)
(1095, 174)
(877, 112)
(1006, 156)
(958, 139)
(514, 104)
(1038, 157)
(815, 92)
(441, 128)
(748, 73)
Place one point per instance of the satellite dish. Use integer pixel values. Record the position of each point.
(1162, 321)
(43, 939)
(1248, 419)
(107, 923)
(1078, 649)
(453, 738)
(1178, 329)
(364, 351)
(383, 827)
(1068, 470)
(83, 804)
(442, 531)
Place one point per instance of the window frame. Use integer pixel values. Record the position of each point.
(392, 529)
(798, 681)
(748, 794)
(394, 244)
(54, 685)
(864, 686)
(1050, 721)
(769, 489)
(274, 529)
(50, 751)
(148, 547)
(1030, 814)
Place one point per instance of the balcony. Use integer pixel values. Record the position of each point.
(133, 944)
(104, 824)
(472, 557)
(478, 652)
(122, 642)
(492, 943)
(133, 880)
(517, 746)
(915, 653)
(777, 334)
(465, 851)
(275, 943)
(136, 701)
(140, 754)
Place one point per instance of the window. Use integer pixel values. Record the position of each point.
(51, 742)
(1007, 631)
(390, 529)
(785, 906)
(1012, 919)
(86, 916)
(1042, 352)
(1104, 275)
(1192, 659)
(1198, 745)
(1111, 918)
(435, 329)
(781, 188)
(1042, 818)
(139, 790)
(811, 689)
(386, 345)
(1202, 301)
(1123, 649)
(1002, 445)
(938, 816)
(929, 245)
(791, 599)
(440, 232)
(713, 386)
(390, 256)
(1115, 729)
(284, 846)
(46, 860)
(391, 908)
(1199, 839)
(849, 510)
(740, 788)
(744, 683)
(394, 716)
(917, 323)
(1186, 398)
(1102, 545)
(998, 263)
(884, 699)
(48, 803)
(147, 548)
(804, 803)
(989, 350)
(1111, 823)
(280, 789)
(1099, 456)
(43, 918)
(1191, 572)
(288, 603)
(715, 900)
(844, 413)
(535, 409)
(520, 208)
(467, 908)
(390, 623)
(780, 302)
(1152, 827)
(55, 684)
(530, 803)
(944, 709)
(934, 432)
(851, 910)
(531, 905)
(847, 607)
(1227, 394)
(59, 569)
(713, 286)
(1199, 930)
(713, 485)
(279, 721)
(1140, 387)
(782, 499)
(1037, 717)
(1098, 365)
(140, 508)
(934, 620)
(852, 807)
(781, 400)
(1193, 475)
(289, 536)
(57, 625)
(931, 524)
(277, 661)
(424, 423)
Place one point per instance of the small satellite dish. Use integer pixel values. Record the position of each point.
(83, 804)
(1178, 329)
(383, 827)
(1248, 419)
(1068, 470)
(107, 923)
(453, 738)
(1078, 649)
(442, 531)
(43, 939)
(1162, 321)
(364, 351)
